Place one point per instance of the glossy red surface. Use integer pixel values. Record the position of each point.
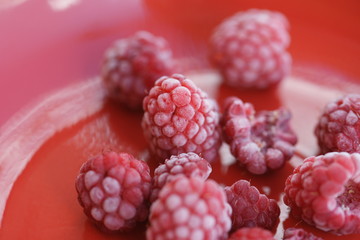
(47, 48)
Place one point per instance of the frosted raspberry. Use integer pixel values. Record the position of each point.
(190, 208)
(131, 66)
(113, 188)
(299, 234)
(250, 208)
(324, 191)
(254, 233)
(179, 117)
(338, 129)
(249, 49)
(261, 141)
(187, 164)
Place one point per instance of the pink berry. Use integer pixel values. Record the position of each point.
(299, 234)
(132, 65)
(250, 208)
(324, 191)
(338, 129)
(190, 208)
(113, 188)
(261, 141)
(249, 49)
(184, 164)
(254, 233)
(179, 117)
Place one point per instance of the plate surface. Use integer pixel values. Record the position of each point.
(51, 46)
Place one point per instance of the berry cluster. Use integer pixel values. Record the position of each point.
(179, 117)
(190, 208)
(113, 190)
(259, 141)
(132, 65)
(184, 130)
(249, 49)
(338, 129)
(187, 164)
(324, 191)
(250, 208)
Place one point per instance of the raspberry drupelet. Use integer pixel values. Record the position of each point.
(338, 129)
(299, 234)
(190, 208)
(132, 65)
(250, 208)
(113, 189)
(186, 164)
(325, 192)
(259, 141)
(249, 49)
(179, 117)
(253, 233)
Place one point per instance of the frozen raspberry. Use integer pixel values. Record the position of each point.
(325, 192)
(254, 233)
(260, 142)
(299, 234)
(113, 188)
(187, 164)
(179, 117)
(190, 208)
(338, 129)
(250, 208)
(132, 65)
(249, 49)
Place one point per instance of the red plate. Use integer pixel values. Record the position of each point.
(49, 45)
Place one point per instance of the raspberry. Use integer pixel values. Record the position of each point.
(338, 129)
(253, 233)
(179, 117)
(187, 164)
(249, 49)
(260, 142)
(132, 65)
(250, 208)
(190, 208)
(299, 234)
(324, 191)
(113, 188)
